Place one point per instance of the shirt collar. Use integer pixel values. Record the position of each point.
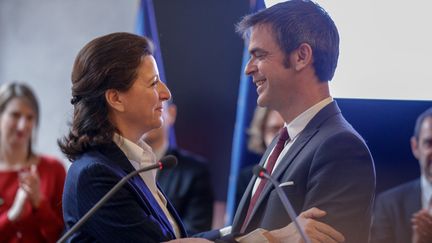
(299, 123)
(160, 152)
(426, 188)
(140, 154)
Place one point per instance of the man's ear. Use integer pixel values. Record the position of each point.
(114, 100)
(303, 56)
(414, 147)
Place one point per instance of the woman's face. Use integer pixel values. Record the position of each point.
(143, 101)
(17, 122)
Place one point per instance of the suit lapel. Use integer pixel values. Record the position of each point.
(304, 137)
(244, 202)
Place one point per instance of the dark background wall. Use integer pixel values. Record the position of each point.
(387, 126)
(202, 58)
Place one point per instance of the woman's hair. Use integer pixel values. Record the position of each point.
(107, 62)
(256, 142)
(9, 91)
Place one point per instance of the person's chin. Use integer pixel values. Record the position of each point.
(158, 123)
(262, 101)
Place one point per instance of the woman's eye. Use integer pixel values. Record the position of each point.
(15, 115)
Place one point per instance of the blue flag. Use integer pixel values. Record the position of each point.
(246, 103)
(147, 26)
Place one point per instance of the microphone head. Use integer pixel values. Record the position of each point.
(259, 171)
(167, 162)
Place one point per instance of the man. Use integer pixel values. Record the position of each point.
(324, 162)
(401, 213)
(188, 188)
(188, 185)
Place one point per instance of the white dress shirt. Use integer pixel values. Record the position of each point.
(426, 189)
(141, 155)
(295, 127)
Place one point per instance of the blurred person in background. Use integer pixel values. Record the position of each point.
(264, 127)
(188, 185)
(31, 185)
(404, 213)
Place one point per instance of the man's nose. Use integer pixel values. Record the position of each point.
(250, 68)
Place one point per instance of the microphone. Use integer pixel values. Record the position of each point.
(262, 173)
(166, 162)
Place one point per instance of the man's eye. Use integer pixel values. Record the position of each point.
(260, 55)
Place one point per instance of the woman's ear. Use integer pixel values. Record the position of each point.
(113, 98)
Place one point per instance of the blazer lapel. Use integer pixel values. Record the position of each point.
(119, 162)
(244, 202)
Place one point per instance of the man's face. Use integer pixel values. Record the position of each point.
(422, 148)
(273, 79)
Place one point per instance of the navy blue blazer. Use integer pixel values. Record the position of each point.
(393, 212)
(331, 168)
(131, 215)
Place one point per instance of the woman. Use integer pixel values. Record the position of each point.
(117, 97)
(31, 185)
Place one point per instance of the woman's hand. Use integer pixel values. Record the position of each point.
(30, 183)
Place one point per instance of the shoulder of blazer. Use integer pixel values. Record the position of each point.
(402, 192)
(110, 155)
(329, 111)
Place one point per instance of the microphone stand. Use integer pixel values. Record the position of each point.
(261, 172)
(111, 192)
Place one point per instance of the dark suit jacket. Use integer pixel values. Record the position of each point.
(331, 168)
(189, 188)
(131, 215)
(393, 212)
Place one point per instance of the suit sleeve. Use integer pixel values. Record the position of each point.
(198, 213)
(383, 222)
(342, 182)
(119, 218)
(49, 213)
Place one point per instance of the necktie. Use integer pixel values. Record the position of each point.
(283, 137)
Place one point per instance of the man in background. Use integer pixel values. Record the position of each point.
(403, 214)
(188, 185)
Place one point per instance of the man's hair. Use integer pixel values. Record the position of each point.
(420, 119)
(107, 62)
(296, 22)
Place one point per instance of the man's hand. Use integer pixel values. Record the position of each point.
(316, 231)
(422, 227)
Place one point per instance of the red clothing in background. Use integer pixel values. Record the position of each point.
(44, 224)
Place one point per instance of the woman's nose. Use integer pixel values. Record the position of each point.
(164, 92)
(22, 123)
